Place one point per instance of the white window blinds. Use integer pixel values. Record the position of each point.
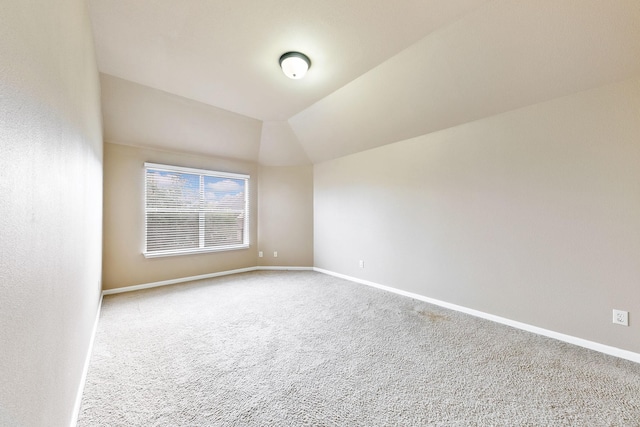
(194, 210)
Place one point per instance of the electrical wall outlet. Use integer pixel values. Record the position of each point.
(275, 254)
(621, 317)
(260, 254)
(361, 263)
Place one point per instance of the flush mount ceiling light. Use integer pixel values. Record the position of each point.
(295, 64)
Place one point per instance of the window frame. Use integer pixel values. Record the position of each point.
(201, 211)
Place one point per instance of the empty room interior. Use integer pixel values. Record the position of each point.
(356, 212)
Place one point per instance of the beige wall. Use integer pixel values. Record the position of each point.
(285, 221)
(532, 215)
(51, 209)
(282, 218)
(123, 262)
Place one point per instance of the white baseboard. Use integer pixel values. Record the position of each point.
(175, 281)
(270, 267)
(602, 348)
(200, 277)
(85, 369)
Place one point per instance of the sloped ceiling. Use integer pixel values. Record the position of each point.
(134, 114)
(382, 71)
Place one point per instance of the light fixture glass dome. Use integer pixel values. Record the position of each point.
(295, 64)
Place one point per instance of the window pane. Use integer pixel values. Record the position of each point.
(170, 230)
(172, 190)
(193, 210)
(223, 228)
(224, 194)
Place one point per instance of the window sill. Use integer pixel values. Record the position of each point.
(159, 254)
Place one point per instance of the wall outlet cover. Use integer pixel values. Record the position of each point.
(621, 317)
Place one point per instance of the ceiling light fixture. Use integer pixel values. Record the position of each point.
(295, 64)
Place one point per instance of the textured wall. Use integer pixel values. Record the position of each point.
(51, 208)
(532, 215)
(123, 263)
(285, 212)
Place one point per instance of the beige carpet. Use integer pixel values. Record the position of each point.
(307, 349)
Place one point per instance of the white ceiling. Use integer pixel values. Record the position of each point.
(382, 71)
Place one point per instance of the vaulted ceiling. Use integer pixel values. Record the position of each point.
(202, 76)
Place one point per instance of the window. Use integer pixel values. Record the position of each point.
(193, 210)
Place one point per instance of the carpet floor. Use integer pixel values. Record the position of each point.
(307, 349)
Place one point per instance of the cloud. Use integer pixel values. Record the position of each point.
(226, 186)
